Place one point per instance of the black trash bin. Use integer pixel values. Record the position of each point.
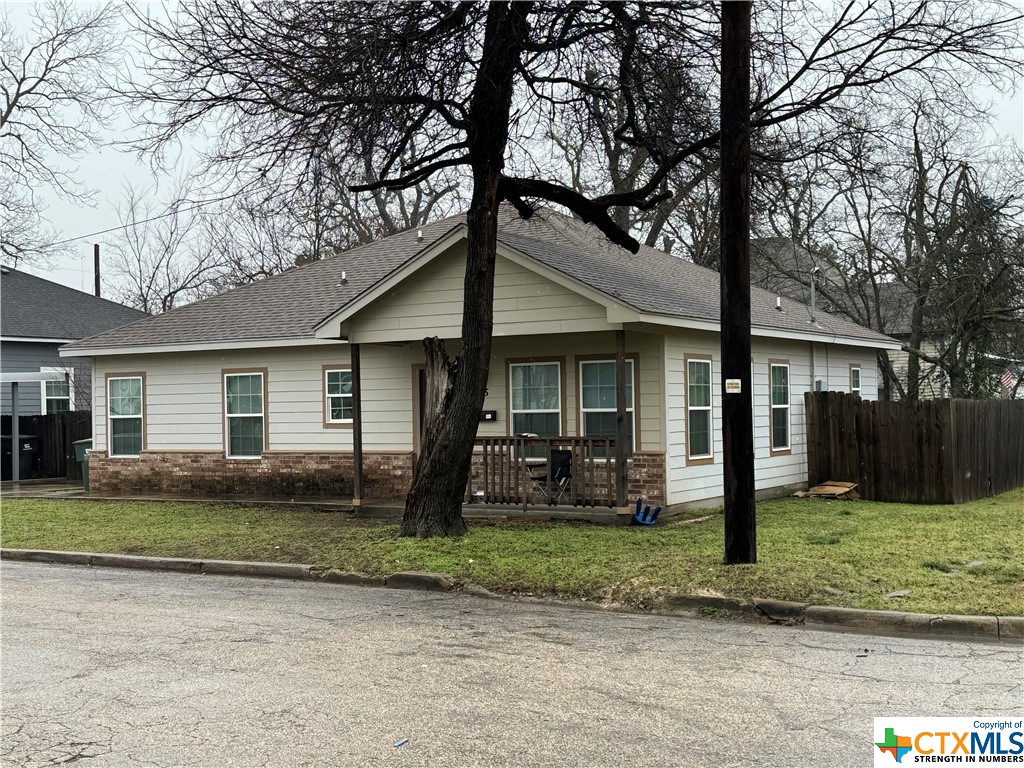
(5, 457)
(82, 457)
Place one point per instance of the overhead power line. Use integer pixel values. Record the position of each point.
(132, 224)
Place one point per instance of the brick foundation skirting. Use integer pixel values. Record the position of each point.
(646, 477)
(386, 476)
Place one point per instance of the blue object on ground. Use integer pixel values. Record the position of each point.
(643, 514)
(401, 742)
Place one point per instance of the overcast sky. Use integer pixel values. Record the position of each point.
(108, 170)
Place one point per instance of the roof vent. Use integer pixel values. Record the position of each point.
(419, 235)
(344, 279)
(778, 303)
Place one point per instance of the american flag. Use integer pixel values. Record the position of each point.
(1010, 377)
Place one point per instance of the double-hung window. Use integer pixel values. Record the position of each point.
(244, 411)
(125, 414)
(536, 398)
(338, 394)
(855, 380)
(779, 384)
(598, 406)
(699, 445)
(56, 393)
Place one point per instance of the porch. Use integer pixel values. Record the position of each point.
(595, 398)
(564, 471)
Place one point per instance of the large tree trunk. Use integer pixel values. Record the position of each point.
(913, 360)
(434, 504)
(889, 379)
(920, 281)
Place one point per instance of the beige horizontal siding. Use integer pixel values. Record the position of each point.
(832, 367)
(429, 303)
(572, 348)
(184, 394)
(184, 397)
(703, 482)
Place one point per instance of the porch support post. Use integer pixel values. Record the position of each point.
(15, 437)
(357, 428)
(621, 436)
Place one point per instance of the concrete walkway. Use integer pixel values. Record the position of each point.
(42, 489)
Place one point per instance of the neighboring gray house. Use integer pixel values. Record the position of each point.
(38, 316)
(258, 390)
(780, 266)
(783, 268)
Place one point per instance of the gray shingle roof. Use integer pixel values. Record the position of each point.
(291, 305)
(286, 306)
(654, 281)
(31, 307)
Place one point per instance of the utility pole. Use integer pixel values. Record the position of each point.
(737, 410)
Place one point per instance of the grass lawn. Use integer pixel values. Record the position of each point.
(952, 559)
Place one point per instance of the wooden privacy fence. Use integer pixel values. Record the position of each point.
(57, 433)
(502, 469)
(925, 452)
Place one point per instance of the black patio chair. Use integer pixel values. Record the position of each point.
(556, 484)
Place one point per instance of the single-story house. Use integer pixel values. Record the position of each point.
(37, 317)
(252, 390)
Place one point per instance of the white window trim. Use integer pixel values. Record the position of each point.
(631, 410)
(71, 388)
(709, 408)
(789, 416)
(328, 396)
(511, 408)
(860, 380)
(110, 417)
(262, 414)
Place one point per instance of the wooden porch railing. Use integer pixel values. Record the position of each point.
(501, 471)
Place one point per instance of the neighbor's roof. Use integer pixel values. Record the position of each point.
(291, 305)
(34, 308)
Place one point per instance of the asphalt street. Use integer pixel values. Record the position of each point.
(106, 667)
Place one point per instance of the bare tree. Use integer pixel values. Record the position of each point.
(163, 257)
(276, 227)
(472, 84)
(916, 233)
(52, 89)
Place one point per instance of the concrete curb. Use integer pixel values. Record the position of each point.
(181, 564)
(47, 556)
(900, 621)
(1008, 629)
(260, 570)
(149, 563)
(349, 577)
(1011, 628)
(709, 604)
(425, 582)
(781, 610)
